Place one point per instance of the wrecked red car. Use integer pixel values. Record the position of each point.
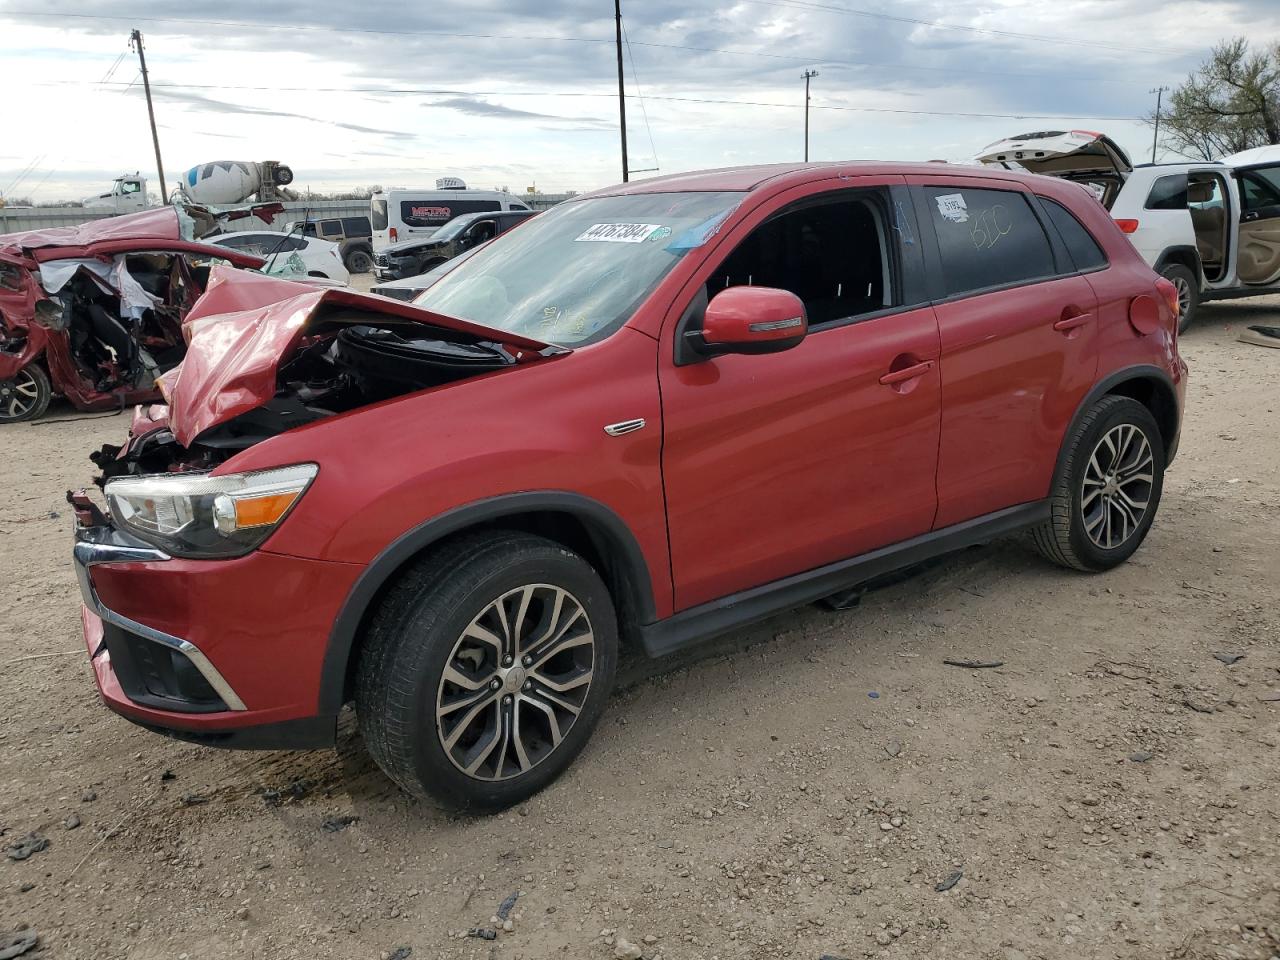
(648, 416)
(94, 312)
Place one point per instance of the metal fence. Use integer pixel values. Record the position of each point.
(14, 219)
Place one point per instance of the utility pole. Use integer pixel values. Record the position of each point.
(1155, 137)
(622, 96)
(808, 75)
(135, 41)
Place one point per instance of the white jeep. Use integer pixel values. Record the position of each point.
(1212, 228)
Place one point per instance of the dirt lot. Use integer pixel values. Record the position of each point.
(1112, 791)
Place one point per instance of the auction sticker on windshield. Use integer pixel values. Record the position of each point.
(619, 232)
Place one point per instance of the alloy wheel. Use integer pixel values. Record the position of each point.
(1184, 295)
(18, 396)
(1117, 486)
(515, 682)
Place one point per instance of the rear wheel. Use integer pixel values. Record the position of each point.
(1184, 281)
(359, 262)
(26, 395)
(486, 668)
(1108, 488)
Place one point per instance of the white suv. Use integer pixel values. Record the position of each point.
(1212, 228)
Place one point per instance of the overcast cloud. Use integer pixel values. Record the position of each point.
(522, 92)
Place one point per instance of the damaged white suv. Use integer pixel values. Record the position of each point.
(1212, 228)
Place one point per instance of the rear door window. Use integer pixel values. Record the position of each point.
(987, 238)
(1168, 193)
(1084, 250)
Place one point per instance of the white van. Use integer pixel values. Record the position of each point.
(403, 212)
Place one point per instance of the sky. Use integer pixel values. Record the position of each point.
(524, 93)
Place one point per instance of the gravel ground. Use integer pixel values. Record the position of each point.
(803, 789)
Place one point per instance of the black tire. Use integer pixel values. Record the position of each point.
(17, 402)
(411, 639)
(284, 175)
(1065, 537)
(1188, 292)
(358, 261)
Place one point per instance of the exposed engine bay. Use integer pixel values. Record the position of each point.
(343, 365)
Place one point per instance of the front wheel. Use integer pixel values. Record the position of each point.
(26, 395)
(1108, 488)
(485, 669)
(1185, 282)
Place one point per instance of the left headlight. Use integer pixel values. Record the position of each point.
(202, 516)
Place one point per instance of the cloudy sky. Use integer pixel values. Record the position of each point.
(524, 92)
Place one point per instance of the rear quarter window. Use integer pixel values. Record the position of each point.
(1084, 250)
(987, 238)
(1168, 193)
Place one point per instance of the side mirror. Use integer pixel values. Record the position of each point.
(751, 320)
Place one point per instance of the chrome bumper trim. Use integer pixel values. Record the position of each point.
(96, 545)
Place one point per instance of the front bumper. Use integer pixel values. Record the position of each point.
(95, 545)
(225, 652)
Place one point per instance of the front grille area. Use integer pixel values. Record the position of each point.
(153, 674)
(382, 260)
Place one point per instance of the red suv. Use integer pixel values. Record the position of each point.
(650, 415)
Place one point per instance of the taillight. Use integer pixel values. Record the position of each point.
(1170, 294)
(1127, 226)
(394, 236)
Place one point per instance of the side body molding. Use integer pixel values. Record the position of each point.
(609, 534)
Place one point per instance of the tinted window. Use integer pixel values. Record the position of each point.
(433, 213)
(831, 255)
(1084, 250)
(378, 214)
(331, 229)
(1168, 193)
(1260, 188)
(987, 238)
(355, 227)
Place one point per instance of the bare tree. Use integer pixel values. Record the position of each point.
(1231, 102)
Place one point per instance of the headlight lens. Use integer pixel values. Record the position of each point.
(198, 515)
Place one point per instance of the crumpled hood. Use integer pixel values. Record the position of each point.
(411, 246)
(246, 324)
(159, 224)
(172, 224)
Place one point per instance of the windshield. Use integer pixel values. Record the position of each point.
(456, 226)
(574, 274)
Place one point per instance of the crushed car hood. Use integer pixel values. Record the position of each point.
(245, 324)
(170, 225)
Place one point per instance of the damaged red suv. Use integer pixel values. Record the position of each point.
(650, 415)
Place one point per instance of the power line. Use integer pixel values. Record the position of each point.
(757, 55)
(428, 91)
(635, 76)
(811, 6)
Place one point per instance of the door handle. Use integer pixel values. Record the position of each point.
(1070, 323)
(907, 373)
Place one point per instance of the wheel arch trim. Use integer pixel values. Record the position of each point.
(1183, 255)
(601, 523)
(1107, 385)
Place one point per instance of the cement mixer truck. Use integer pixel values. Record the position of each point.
(224, 183)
